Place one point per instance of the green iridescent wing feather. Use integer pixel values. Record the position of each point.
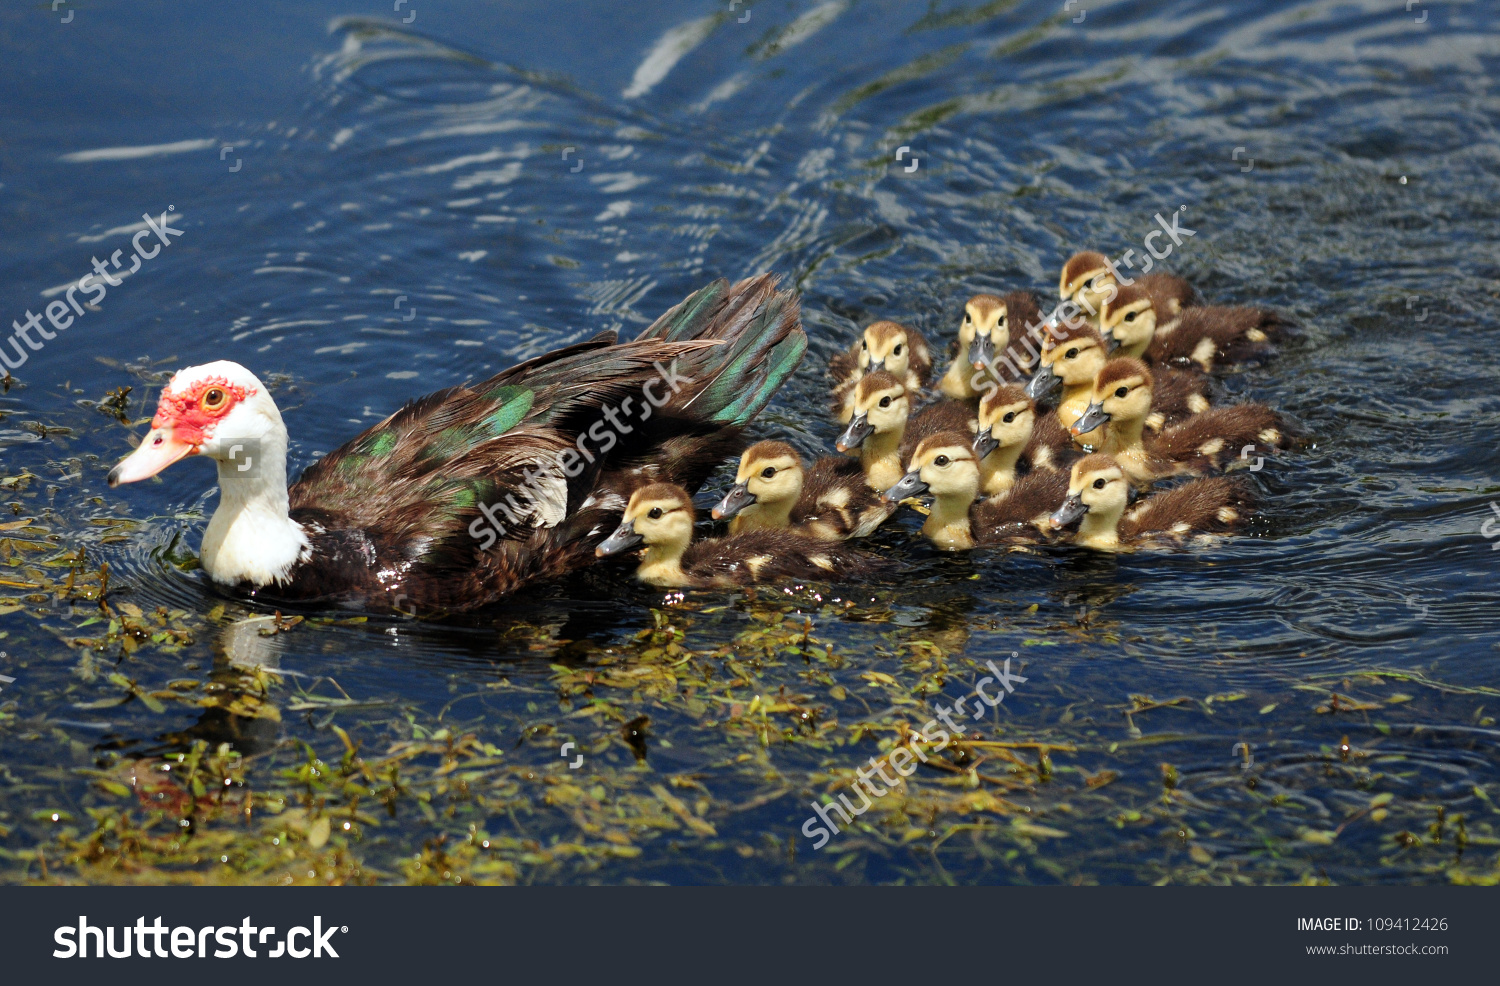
(416, 481)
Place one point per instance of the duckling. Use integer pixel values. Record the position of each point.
(1122, 400)
(885, 431)
(1074, 354)
(1205, 336)
(830, 502)
(660, 518)
(1090, 280)
(1099, 491)
(944, 465)
(888, 346)
(1014, 440)
(992, 324)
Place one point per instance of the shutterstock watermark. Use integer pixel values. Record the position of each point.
(987, 377)
(544, 493)
(1489, 529)
(182, 942)
(61, 314)
(903, 759)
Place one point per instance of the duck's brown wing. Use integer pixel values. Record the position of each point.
(1169, 294)
(1051, 447)
(1219, 436)
(1213, 505)
(1032, 497)
(837, 502)
(843, 367)
(775, 556)
(943, 415)
(1023, 320)
(468, 493)
(842, 400)
(1020, 514)
(920, 361)
(1212, 337)
(1178, 394)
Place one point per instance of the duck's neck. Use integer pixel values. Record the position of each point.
(1075, 400)
(1123, 441)
(661, 565)
(880, 455)
(948, 524)
(252, 537)
(1135, 350)
(1099, 530)
(997, 471)
(762, 515)
(956, 382)
(1123, 437)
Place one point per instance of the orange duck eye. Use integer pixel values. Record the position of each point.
(214, 399)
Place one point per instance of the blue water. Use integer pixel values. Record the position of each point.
(373, 209)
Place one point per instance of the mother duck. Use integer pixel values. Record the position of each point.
(467, 494)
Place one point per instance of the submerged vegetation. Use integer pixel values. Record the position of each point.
(154, 733)
(156, 745)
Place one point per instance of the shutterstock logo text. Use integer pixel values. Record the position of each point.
(160, 942)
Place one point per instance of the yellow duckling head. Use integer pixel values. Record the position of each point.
(1128, 321)
(1122, 396)
(766, 487)
(1006, 419)
(944, 466)
(987, 324)
(658, 517)
(881, 405)
(1098, 493)
(1086, 280)
(886, 346)
(1074, 354)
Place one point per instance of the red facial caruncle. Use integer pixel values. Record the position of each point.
(192, 413)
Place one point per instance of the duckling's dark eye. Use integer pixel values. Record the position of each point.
(1122, 391)
(885, 402)
(1130, 317)
(655, 513)
(213, 399)
(1002, 319)
(1071, 354)
(941, 460)
(1098, 484)
(968, 318)
(864, 344)
(1009, 417)
(768, 472)
(896, 351)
